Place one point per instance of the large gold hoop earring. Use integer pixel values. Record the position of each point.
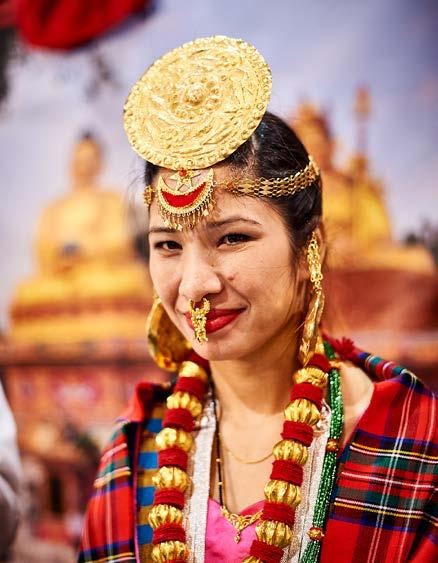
(166, 344)
(310, 341)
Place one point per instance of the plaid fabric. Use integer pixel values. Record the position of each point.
(107, 534)
(383, 507)
(147, 465)
(385, 504)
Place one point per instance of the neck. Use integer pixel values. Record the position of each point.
(83, 183)
(258, 385)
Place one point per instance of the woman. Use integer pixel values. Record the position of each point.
(271, 445)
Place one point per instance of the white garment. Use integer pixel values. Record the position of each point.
(10, 475)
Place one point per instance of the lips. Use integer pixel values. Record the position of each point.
(217, 318)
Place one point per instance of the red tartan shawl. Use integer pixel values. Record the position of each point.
(384, 504)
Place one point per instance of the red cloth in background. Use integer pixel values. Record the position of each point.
(7, 13)
(65, 24)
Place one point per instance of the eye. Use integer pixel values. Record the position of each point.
(168, 245)
(232, 239)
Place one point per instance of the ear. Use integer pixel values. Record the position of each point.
(322, 242)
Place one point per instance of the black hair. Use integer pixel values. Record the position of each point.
(274, 151)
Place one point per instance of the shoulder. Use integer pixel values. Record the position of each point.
(145, 410)
(403, 414)
(401, 405)
(114, 474)
(146, 398)
(407, 392)
(398, 395)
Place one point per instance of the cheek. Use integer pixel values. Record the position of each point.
(164, 279)
(271, 285)
(265, 282)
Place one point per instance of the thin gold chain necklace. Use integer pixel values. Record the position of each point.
(238, 521)
(239, 459)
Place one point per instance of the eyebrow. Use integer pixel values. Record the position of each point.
(210, 225)
(161, 230)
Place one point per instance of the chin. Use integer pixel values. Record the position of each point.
(222, 349)
(229, 343)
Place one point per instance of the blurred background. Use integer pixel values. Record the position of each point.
(359, 83)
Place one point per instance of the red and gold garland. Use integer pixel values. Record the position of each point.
(282, 492)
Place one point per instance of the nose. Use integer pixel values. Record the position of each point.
(199, 277)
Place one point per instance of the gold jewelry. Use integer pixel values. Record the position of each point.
(166, 344)
(197, 201)
(190, 110)
(199, 318)
(239, 521)
(198, 103)
(310, 338)
(272, 187)
(241, 460)
(183, 205)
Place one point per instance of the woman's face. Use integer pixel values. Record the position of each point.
(240, 258)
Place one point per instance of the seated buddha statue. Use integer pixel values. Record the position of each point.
(89, 281)
(357, 222)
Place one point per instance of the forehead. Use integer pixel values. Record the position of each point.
(221, 171)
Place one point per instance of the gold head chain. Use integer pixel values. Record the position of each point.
(261, 187)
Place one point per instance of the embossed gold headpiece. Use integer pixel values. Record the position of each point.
(192, 109)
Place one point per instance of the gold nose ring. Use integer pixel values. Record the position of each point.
(199, 318)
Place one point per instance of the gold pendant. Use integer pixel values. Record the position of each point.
(238, 521)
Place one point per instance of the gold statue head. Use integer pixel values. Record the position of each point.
(86, 162)
(313, 128)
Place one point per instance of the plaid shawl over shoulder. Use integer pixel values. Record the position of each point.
(384, 507)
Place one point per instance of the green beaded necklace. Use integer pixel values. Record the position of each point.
(313, 549)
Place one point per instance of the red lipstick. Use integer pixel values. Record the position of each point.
(217, 318)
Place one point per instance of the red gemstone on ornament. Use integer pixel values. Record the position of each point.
(180, 201)
(183, 173)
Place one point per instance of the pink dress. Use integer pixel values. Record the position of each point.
(220, 546)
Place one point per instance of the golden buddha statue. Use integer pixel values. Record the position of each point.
(358, 227)
(90, 284)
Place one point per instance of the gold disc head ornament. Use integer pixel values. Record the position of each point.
(198, 103)
(190, 110)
